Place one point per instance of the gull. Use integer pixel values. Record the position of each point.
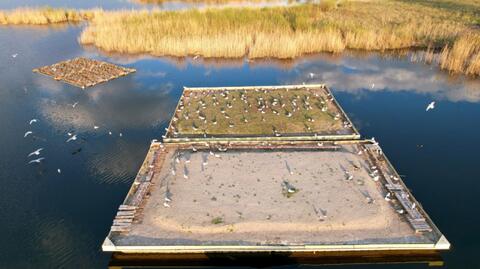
(185, 172)
(288, 168)
(311, 75)
(69, 134)
(348, 175)
(59, 171)
(36, 152)
(387, 197)
(110, 132)
(166, 204)
(196, 57)
(36, 160)
(27, 133)
(95, 127)
(120, 134)
(74, 104)
(74, 137)
(32, 121)
(373, 85)
(400, 211)
(14, 55)
(430, 106)
(414, 206)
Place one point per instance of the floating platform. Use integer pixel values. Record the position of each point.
(293, 112)
(217, 190)
(83, 72)
(270, 196)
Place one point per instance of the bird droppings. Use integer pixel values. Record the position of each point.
(83, 72)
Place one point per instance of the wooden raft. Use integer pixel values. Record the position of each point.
(126, 212)
(83, 72)
(414, 217)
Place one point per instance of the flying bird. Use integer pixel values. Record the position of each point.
(95, 127)
(73, 137)
(430, 106)
(14, 55)
(32, 121)
(27, 133)
(36, 152)
(75, 104)
(59, 171)
(36, 160)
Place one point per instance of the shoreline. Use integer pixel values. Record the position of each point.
(282, 33)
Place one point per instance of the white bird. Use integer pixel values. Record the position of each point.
(69, 134)
(36, 152)
(414, 206)
(36, 160)
(120, 134)
(32, 121)
(166, 204)
(109, 132)
(95, 127)
(27, 133)
(430, 106)
(311, 75)
(373, 85)
(387, 197)
(75, 104)
(59, 171)
(400, 211)
(15, 55)
(73, 137)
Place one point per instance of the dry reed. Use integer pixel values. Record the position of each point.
(41, 16)
(288, 32)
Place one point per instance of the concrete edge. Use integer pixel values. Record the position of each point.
(109, 247)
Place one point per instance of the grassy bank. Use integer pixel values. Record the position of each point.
(42, 16)
(289, 32)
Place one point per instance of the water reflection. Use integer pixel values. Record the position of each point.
(113, 106)
(352, 74)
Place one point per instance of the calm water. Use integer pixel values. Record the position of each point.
(50, 219)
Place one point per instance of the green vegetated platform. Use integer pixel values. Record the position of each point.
(294, 112)
(269, 170)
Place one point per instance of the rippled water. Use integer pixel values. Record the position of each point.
(60, 220)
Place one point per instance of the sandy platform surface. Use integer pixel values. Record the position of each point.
(253, 197)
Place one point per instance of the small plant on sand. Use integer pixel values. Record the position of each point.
(217, 220)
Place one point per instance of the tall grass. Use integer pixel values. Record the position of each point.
(463, 55)
(289, 32)
(41, 16)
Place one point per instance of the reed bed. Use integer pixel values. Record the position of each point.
(292, 31)
(42, 16)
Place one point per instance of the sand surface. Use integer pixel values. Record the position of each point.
(240, 196)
